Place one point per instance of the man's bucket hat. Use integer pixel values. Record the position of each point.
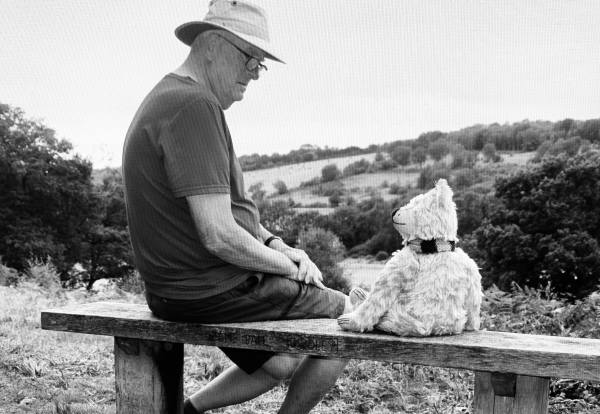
(240, 18)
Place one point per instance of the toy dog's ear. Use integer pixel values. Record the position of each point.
(443, 194)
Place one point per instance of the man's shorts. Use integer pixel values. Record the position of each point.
(261, 297)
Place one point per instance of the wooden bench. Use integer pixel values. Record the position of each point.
(511, 370)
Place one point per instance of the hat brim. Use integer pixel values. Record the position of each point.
(187, 32)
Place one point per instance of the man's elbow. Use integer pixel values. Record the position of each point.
(215, 243)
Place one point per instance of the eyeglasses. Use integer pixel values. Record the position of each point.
(252, 63)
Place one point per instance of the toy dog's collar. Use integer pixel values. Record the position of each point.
(431, 246)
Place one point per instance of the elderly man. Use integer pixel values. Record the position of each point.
(196, 236)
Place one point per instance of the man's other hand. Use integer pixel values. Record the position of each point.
(308, 272)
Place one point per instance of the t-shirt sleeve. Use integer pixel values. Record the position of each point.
(195, 151)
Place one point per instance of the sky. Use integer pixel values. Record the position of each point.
(357, 72)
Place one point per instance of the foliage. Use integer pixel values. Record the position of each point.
(43, 274)
(419, 155)
(330, 172)
(257, 193)
(382, 255)
(547, 227)
(401, 155)
(326, 251)
(8, 275)
(47, 195)
(107, 251)
(438, 149)
(489, 153)
(280, 187)
(430, 174)
(357, 167)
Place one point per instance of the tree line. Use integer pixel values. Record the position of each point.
(519, 136)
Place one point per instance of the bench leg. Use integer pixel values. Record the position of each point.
(148, 376)
(498, 393)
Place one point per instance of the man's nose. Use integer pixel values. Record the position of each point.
(255, 74)
(394, 212)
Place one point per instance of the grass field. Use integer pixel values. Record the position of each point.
(55, 372)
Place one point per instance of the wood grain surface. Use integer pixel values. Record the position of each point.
(533, 355)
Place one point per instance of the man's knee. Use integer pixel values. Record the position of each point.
(281, 366)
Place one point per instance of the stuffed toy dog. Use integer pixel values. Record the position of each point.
(429, 287)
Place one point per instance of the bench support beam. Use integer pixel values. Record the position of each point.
(499, 393)
(148, 376)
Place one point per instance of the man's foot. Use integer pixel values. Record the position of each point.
(357, 296)
(188, 408)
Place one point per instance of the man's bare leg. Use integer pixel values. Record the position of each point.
(311, 381)
(234, 386)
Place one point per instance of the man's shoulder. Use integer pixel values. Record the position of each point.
(176, 91)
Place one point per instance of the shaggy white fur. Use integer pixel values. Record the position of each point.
(420, 294)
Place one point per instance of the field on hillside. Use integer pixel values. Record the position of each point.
(362, 186)
(294, 174)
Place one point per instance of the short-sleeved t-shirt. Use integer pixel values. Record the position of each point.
(179, 145)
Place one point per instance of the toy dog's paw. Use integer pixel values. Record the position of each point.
(347, 323)
(386, 324)
(357, 296)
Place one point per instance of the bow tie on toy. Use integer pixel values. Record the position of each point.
(431, 246)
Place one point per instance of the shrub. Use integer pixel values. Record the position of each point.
(438, 149)
(43, 274)
(326, 250)
(8, 275)
(357, 167)
(330, 172)
(311, 182)
(397, 189)
(256, 192)
(401, 155)
(132, 282)
(381, 255)
(489, 153)
(280, 187)
(546, 228)
(430, 174)
(463, 179)
(419, 155)
(329, 189)
(335, 200)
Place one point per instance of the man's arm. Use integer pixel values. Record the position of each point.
(223, 237)
(308, 272)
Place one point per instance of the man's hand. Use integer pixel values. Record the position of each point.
(307, 270)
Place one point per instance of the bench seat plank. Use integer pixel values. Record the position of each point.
(532, 355)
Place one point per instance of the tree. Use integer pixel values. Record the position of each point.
(326, 251)
(401, 155)
(256, 192)
(590, 130)
(438, 149)
(280, 187)
(547, 227)
(107, 253)
(47, 194)
(419, 156)
(489, 153)
(330, 172)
